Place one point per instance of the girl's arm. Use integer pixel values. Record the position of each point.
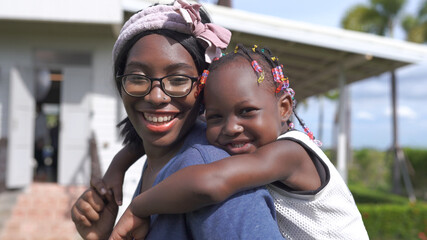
(113, 177)
(199, 185)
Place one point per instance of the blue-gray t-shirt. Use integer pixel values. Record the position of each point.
(246, 215)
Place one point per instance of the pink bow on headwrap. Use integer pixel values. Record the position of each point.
(180, 17)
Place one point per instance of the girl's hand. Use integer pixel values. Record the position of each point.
(94, 218)
(110, 186)
(130, 227)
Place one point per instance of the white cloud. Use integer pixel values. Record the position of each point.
(404, 112)
(364, 116)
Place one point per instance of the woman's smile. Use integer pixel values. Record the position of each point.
(159, 122)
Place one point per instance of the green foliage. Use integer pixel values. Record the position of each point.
(378, 17)
(364, 195)
(418, 161)
(364, 19)
(388, 216)
(416, 26)
(388, 8)
(422, 13)
(392, 221)
(370, 168)
(333, 94)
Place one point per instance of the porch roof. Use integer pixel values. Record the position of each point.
(312, 55)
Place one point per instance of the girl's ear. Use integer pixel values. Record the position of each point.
(285, 107)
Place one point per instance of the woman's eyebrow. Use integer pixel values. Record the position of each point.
(176, 66)
(136, 64)
(168, 68)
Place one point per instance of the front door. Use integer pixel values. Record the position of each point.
(19, 166)
(74, 160)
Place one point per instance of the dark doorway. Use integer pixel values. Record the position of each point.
(46, 154)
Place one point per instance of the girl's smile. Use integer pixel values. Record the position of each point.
(238, 147)
(241, 114)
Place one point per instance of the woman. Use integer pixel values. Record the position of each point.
(158, 57)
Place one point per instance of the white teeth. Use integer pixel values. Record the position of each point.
(157, 119)
(237, 145)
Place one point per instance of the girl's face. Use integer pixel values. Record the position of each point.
(242, 115)
(161, 121)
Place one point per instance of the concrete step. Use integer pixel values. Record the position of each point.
(40, 212)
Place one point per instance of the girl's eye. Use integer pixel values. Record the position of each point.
(213, 117)
(248, 111)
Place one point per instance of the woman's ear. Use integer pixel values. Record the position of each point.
(285, 107)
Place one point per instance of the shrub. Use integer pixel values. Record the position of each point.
(363, 195)
(389, 216)
(392, 221)
(418, 170)
(370, 168)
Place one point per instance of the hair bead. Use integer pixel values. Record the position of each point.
(258, 69)
(261, 77)
(202, 82)
(254, 48)
(256, 66)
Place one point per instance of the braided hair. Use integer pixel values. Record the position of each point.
(262, 59)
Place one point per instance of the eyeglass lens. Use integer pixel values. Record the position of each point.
(174, 86)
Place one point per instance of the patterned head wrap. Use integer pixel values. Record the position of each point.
(180, 17)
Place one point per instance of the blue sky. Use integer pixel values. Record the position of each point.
(371, 101)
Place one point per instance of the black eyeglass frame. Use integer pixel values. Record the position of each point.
(122, 77)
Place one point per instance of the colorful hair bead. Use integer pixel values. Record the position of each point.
(279, 68)
(308, 132)
(256, 66)
(276, 76)
(202, 82)
(291, 92)
(291, 126)
(204, 76)
(254, 48)
(236, 49)
(286, 81)
(261, 77)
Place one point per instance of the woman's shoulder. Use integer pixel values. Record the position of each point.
(197, 150)
(201, 153)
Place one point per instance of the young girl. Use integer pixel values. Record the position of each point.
(248, 109)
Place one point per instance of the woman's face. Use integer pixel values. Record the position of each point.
(161, 121)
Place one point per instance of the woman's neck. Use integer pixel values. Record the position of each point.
(158, 157)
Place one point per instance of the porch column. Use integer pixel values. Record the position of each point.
(342, 138)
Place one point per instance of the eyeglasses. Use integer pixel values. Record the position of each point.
(137, 85)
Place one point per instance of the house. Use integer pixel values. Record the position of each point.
(59, 53)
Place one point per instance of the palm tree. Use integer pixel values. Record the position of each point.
(380, 17)
(416, 27)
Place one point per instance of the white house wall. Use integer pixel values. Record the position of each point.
(17, 48)
(93, 11)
